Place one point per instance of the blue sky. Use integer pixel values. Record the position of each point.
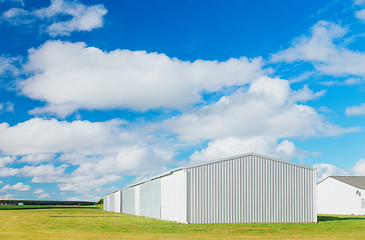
(97, 94)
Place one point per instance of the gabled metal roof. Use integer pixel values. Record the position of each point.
(216, 161)
(355, 181)
(246, 155)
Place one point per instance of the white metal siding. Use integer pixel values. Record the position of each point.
(250, 189)
(105, 204)
(137, 203)
(150, 198)
(128, 204)
(173, 197)
(112, 202)
(117, 201)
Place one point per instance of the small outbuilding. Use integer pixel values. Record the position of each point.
(249, 188)
(341, 195)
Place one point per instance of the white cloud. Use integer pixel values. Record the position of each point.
(356, 110)
(4, 64)
(359, 168)
(6, 107)
(100, 151)
(37, 158)
(5, 160)
(360, 14)
(324, 50)
(324, 170)
(88, 78)
(7, 172)
(38, 191)
(44, 195)
(267, 109)
(7, 197)
(78, 136)
(83, 18)
(1, 182)
(234, 146)
(359, 2)
(17, 187)
(8, 65)
(42, 171)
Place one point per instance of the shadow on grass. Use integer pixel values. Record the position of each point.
(44, 207)
(334, 218)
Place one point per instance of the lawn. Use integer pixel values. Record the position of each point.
(33, 222)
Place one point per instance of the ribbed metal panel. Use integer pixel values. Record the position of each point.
(150, 198)
(105, 203)
(128, 200)
(251, 189)
(117, 201)
(112, 202)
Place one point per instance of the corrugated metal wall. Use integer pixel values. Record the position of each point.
(128, 203)
(118, 201)
(150, 198)
(112, 202)
(173, 196)
(137, 204)
(108, 202)
(105, 204)
(251, 189)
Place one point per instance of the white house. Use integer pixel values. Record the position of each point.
(246, 188)
(341, 195)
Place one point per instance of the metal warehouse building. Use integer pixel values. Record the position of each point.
(247, 188)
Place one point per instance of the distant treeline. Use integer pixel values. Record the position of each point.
(46, 203)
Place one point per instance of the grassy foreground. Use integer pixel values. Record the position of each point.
(93, 223)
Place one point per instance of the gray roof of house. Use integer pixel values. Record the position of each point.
(355, 181)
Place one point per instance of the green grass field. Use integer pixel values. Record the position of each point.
(33, 222)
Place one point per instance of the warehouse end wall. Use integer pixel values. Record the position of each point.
(128, 202)
(150, 199)
(118, 201)
(173, 197)
(137, 205)
(251, 189)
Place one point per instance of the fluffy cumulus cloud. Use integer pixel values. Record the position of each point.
(323, 48)
(267, 108)
(16, 187)
(7, 197)
(234, 146)
(359, 168)
(86, 155)
(356, 110)
(44, 195)
(5, 160)
(79, 17)
(5, 64)
(8, 171)
(259, 119)
(78, 136)
(38, 191)
(6, 107)
(9, 65)
(69, 76)
(325, 169)
(360, 14)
